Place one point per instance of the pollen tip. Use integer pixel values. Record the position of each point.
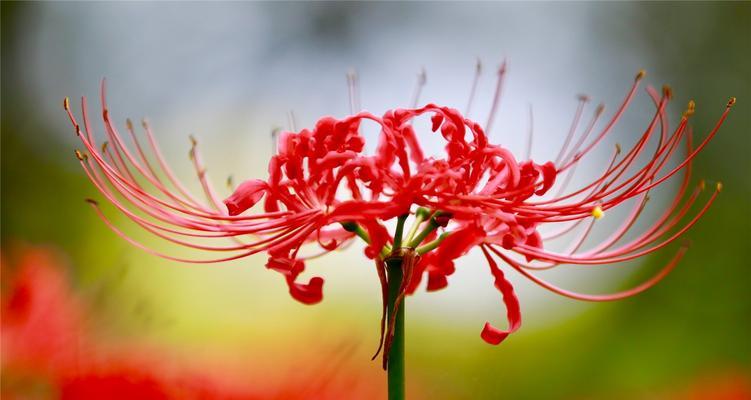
(91, 201)
(702, 184)
(106, 114)
(78, 130)
(104, 146)
(640, 75)
(502, 68)
(478, 65)
(731, 102)
(230, 182)
(66, 103)
(193, 141)
(667, 91)
(129, 124)
(718, 186)
(600, 109)
(80, 156)
(690, 109)
(145, 123)
(582, 97)
(597, 212)
(617, 148)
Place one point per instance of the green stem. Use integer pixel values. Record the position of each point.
(395, 366)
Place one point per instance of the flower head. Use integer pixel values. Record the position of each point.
(324, 190)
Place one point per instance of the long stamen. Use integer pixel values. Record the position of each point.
(473, 90)
(422, 79)
(496, 98)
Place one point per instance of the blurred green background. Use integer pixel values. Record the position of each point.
(228, 73)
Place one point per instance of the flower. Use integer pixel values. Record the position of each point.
(323, 189)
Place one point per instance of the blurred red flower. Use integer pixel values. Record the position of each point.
(49, 350)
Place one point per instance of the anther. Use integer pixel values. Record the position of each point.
(718, 187)
(597, 212)
(502, 68)
(106, 114)
(640, 75)
(617, 148)
(600, 109)
(702, 184)
(193, 141)
(129, 124)
(731, 101)
(145, 123)
(667, 91)
(422, 76)
(582, 97)
(690, 109)
(230, 182)
(80, 156)
(91, 201)
(104, 147)
(66, 104)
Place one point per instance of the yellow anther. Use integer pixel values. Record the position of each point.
(597, 212)
(640, 74)
(690, 109)
(193, 140)
(230, 182)
(702, 184)
(731, 101)
(129, 124)
(719, 186)
(600, 109)
(617, 148)
(66, 104)
(80, 156)
(91, 201)
(104, 146)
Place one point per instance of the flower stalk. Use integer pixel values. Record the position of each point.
(395, 363)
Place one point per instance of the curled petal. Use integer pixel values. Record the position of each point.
(307, 293)
(246, 196)
(491, 334)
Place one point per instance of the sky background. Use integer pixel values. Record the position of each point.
(228, 73)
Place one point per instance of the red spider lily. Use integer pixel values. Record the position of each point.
(324, 189)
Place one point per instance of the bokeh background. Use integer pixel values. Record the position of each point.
(228, 73)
